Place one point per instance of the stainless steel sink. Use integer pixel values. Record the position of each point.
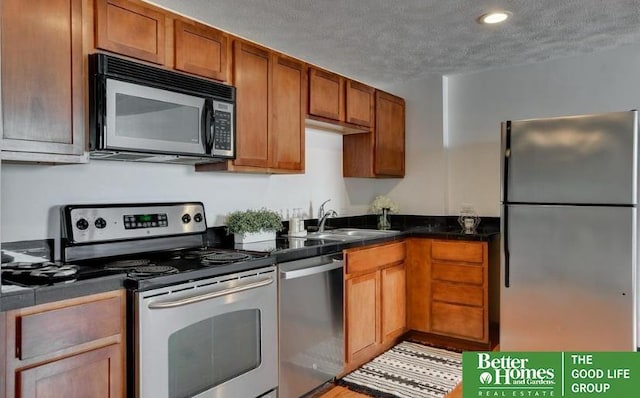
(362, 232)
(344, 234)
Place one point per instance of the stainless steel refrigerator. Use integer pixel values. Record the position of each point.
(569, 233)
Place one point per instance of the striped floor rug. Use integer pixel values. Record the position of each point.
(408, 370)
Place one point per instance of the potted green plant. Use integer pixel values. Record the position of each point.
(253, 225)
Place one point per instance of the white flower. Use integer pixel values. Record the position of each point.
(383, 202)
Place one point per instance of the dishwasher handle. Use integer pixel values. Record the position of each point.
(299, 273)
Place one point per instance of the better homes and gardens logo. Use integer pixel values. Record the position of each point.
(551, 374)
(512, 375)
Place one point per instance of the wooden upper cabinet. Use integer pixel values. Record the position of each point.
(131, 28)
(200, 49)
(326, 94)
(381, 152)
(360, 102)
(271, 103)
(288, 104)
(42, 80)
(389, 135)
(251, 78)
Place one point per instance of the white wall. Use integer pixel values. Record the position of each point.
(423, 190)
(478, 102)
(31, 194)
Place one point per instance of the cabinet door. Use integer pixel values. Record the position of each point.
(393, 296)
(131, 28)
(42, 83)
(251, 79)
(288, 104)
(418, 264)
(389, 135)
(360, 104)
(362, 314)
(201, 50)
(93, 374)
(326, 94)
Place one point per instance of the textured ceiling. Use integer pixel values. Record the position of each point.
(382, 41)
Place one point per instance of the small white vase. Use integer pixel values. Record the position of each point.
(250, 237)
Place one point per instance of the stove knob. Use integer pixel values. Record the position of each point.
(186, 218)
(100, 223)
(197, 217)
(82, 224)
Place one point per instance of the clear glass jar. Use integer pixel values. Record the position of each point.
(383, 219)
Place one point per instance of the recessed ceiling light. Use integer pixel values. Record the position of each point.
(494, 17)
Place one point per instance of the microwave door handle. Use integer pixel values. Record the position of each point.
(212, 295)
(207, 125)
(212, 130)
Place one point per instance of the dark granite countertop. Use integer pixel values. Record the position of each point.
(295, 248)
(15, 297)
(287, 249)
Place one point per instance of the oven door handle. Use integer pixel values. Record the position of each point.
(212, 295)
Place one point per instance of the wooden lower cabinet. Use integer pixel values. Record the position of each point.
(393, 297)
(363, 315)
(72, 348)
(375, 301)
(448, 288)
(85, 375)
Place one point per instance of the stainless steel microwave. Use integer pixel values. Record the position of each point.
(143, 113)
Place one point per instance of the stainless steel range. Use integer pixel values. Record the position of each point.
(203, 321)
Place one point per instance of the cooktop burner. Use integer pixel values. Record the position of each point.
(224, 258)
(150, 270)
(197, 254)
(26, 265)
(38, 273)
(127, 264)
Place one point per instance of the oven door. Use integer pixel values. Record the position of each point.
(210, 338)
(147, 119)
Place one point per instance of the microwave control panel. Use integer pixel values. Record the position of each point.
(223, 129)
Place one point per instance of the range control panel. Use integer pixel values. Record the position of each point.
(97, 223)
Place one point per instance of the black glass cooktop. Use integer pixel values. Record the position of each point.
(141, 271)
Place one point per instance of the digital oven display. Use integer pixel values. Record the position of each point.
(145, 221)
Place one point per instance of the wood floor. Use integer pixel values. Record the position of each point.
(342, 392)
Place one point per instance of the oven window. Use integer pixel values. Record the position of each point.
(212, 351)
(144, 118)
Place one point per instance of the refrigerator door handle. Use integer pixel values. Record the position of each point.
(505, 199)
(505, 242)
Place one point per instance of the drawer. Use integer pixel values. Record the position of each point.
(457, 273)
(470, 252)
(458, 294)
(458, 320)
(50, 331)
(370, 259)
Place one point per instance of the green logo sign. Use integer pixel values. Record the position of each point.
(551, 374)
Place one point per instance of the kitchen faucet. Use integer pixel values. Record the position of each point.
(322, 215)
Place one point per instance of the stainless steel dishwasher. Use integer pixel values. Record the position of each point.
(311, 339)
